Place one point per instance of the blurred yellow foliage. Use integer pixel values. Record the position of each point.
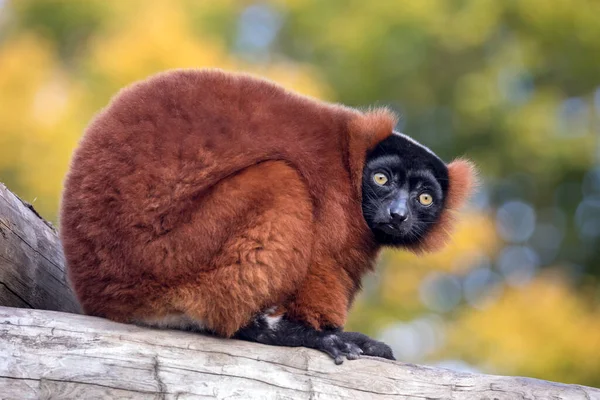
(156, 37)
(45, 107)
(39, 124)
(542, 330)
(400, 272)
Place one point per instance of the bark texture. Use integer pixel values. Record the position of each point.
(32, 265)
(48, 355)
(57, 355)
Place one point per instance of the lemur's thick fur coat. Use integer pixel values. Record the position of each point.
(204, 197)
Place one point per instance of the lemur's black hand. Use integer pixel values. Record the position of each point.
(280, 331)
(337, 348)
(369, 347)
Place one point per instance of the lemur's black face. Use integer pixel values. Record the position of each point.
(404, 187)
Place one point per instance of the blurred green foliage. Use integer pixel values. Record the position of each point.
(515, 85)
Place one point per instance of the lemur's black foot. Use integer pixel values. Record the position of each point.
(280, 331)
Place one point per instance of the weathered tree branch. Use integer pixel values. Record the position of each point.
(48, 354)
(45, 354)
(32, 265)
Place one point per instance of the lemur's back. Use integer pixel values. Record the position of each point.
(145, 206)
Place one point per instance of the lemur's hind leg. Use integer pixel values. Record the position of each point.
(264, 215)
(281, 331)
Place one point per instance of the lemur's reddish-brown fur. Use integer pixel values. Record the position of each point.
(217, 195)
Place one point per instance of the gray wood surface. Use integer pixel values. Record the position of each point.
(32, 272)
(47, 354)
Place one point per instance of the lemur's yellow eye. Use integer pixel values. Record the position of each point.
(380, 178)
(425, 199)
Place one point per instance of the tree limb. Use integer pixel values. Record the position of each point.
(45, 354)
(32, 265)
(49, 354)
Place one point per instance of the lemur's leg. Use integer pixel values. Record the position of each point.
(329, 308)
(280, 331)
(258, 224)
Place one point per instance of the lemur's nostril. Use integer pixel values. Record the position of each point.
(399, 215)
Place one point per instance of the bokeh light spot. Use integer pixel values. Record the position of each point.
(482, 287)
(515, 221)
(587, 217)
(440, 292)
(258, 27)
(414, 340)
(518, 264)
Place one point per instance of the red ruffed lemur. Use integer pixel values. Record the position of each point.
(220, 202)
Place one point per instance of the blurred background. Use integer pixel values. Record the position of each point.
(514, 85)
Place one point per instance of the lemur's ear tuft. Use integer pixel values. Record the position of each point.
(373, 126)
(462, 176)
(366, 130)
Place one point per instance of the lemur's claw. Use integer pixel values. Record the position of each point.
(368, 346)
(337, 348)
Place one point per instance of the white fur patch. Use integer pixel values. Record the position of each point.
(175, 321)
(270, 310)
(272, 321)
(413, 141)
